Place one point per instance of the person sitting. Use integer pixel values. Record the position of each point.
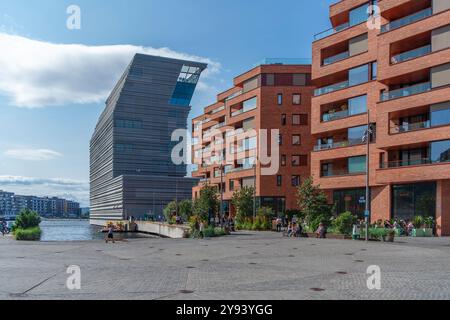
(321, 231)
(290, 230)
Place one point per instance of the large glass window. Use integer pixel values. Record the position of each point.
(350, 200)
(355, 134)
(410, 200)
(440, 116)
(359, 15)
(249, 104)
(357, 105)
(440, 151)
(358, 75)
(357, 164)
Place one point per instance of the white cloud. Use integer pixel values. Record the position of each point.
(37, 73)
(32, 154)
(59, 187)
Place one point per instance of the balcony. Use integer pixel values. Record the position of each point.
(234, 95)
(408, 55)
(340, 173)
(331, 88)
(340, 144)
(411, 127)
(331, 31)
(285, 61)
(217, 110)
(407, 20)
(336, 58)
(335, 115)
(407, 163)
(406, 91)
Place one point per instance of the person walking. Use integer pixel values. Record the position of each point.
(201, 230)
(110, 236)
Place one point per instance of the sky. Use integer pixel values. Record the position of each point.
(54, 80)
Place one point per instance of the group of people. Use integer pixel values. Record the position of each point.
(405, 227)
(294, 227)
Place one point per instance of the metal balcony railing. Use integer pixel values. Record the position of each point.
(407, 91)
(406, 163)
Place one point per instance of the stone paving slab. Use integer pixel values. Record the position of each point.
(246, 265)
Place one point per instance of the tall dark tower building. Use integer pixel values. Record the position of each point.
(131, 170)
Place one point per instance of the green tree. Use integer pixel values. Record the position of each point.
(170, 208)
(27, 219)
(185, 209)
(243, 202)
(313, 203)
(207, 201)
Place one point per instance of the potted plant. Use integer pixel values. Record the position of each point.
(390, 235)
(423, 227)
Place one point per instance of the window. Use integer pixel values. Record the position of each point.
(358, 75)
(409, 200)
(300, 119)
(350, 200)
(279, 180)
(440, 114)
(299, 79)
(283, 160)
(356, 134)
(270, 79)
(295, 181)
(374, 70)
(130, 124)
(440, 151)
(296, 99)
(283, 119)
(357, 105)
(123, 147)
(359, 15)
(280, 99)
(250, 143)
(295, 161)
(296, 140)
(249, 104)
(231, 185)
(299, 160)
(357, 164)
(280, 140)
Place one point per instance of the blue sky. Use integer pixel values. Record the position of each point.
(51, 94)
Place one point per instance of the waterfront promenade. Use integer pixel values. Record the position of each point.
(246, 265)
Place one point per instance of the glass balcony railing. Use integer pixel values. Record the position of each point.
(339, 144)
(331, 31)
(411, 127)
(407, 20)
(341, 172)
(335, 115)
(234, 95)
(285, 61)
(218, 109)
(407, 91)
(405, 56)
(331, 88)
(406, 163)
(336, 58)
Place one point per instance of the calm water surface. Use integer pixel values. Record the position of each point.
(75, 230)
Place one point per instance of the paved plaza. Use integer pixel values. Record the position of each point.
(246, 265)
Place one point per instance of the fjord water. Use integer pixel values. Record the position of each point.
(74, 230)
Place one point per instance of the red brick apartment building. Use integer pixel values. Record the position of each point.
(274, 95)
(400, 73)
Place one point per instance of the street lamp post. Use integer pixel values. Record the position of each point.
(366, 138)
(254, 190)
(221, 190)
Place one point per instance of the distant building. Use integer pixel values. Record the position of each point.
(11, 205)
(131, 170)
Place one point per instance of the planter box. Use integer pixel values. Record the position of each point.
(423, 232)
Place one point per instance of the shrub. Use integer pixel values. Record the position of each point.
(243, 202)
(418, 222)
(378, 233)
(293, 212)
(27, 219)
(344, 223)
(209, 232)
(30, 234)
